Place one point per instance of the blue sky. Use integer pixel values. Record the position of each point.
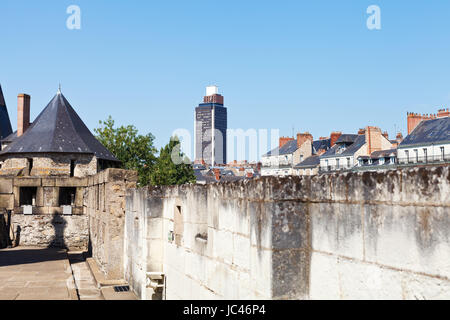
(311, 65)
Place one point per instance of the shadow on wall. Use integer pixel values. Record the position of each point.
(17, 236)
(3, 231)
(59, 224)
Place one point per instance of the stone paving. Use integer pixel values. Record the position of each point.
(28, 273)
(85, 282)
(31, 273)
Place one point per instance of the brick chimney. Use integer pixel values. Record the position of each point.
(443, 113)
(414, 119)
(334, 136)
(399, 137)
(303, 137)
(386, 135)
(373, 139)
(23, 113)
(284, 140)
(361, 131)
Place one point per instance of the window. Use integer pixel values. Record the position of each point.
(72, 168)
(381, 161)
(348, 162)
(407, 155)
(416, 153)
(27, 196)
(326, 165)
(301, 158)
(392, 160)
(337, 163)
(29, 165)
(67, 196)
(442, 153)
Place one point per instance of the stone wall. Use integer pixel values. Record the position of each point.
(339, 236)
(50, 230)
(48, 165)
(46, 227)
(104, 203)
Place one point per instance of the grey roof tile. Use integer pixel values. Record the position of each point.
(312, 161)
(58, 129)
(5, 123)
(429, 132)
(289, 148)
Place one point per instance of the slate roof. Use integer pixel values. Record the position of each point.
(310, 162)
(58, 129)
(436, 131)
(5, 123)
(358, 142)
(383, 153)
(347, 138)
(289, 148)
(321, 145)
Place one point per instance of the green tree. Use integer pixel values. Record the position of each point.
(135, 151)
(172, 167)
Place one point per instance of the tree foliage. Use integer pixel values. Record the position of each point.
(172, 167)
(135, 151)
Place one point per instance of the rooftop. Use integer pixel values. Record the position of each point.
(428, 132)
(5, 123)
(58, 129)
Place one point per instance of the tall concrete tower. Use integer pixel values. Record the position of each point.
(210, 129)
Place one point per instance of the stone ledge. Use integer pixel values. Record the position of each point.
(99, 277)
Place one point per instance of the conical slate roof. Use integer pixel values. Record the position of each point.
(5, 123)
(58, 129)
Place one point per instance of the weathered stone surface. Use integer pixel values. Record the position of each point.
(71, 182)
(6, 186)
(27, 182)
(7, 201)
(51, 231)
(339, 236)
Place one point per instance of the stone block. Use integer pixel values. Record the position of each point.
(408, 237)
(261, 271)
(7, 201)
(6, 186)
(290, 224)
(260, 224)
(71, 182)
(241, 251)
(291, 270)
(27, 182)
(48, 182)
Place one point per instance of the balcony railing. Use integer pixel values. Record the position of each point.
(424, 160)
(334, 168)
